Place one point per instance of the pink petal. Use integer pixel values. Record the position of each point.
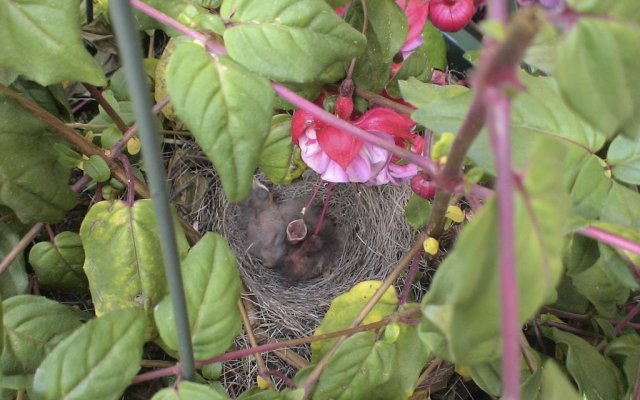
(417, 12)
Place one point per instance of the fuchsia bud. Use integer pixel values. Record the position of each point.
(423, 186)
(451, 15)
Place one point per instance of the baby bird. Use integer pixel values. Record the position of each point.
(282, 236)
(265, 226)
(314, 255)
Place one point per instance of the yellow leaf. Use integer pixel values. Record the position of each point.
(133, 146)
(431, 246)
(263, 383)
(463, 372)
(455, 214)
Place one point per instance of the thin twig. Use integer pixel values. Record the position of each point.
(262, 368)
(234, 355)
(111, 112)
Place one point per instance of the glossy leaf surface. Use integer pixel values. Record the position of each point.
(310, 37)
(596, 376)
(33, 183)
(276, 155)
(98, 361)
(212, 287)
(227, 108)
(33, 326)
(604, 42)
(28, 27)
(59, 264)
(123, 260)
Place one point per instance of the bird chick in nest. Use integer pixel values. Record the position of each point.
(282, 235)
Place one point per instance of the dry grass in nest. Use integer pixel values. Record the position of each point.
(371, 228)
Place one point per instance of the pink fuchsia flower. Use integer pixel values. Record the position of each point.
(417, 12)
(340, 157)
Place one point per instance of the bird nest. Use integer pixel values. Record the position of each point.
(371, 228)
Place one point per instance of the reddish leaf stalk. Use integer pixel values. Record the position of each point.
(610, 238)
(499, 124)
(627, 319)
(325, 206)
(411, 276)
(234, 355)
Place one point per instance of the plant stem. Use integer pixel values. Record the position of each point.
(498, 121)
(234, 355)
(111, 112)
(610, 238)
(374, 98)
(628, 318)
(19, 247)
(131, 56)
(411, 276)
(566, 314)
(571, 329)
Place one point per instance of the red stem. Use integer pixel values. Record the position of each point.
(325, 206)
(411, 276)
(498, 122)
(610, 238)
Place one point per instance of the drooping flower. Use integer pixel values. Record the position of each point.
(451, 15)
(340, 157)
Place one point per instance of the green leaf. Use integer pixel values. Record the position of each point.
(411, 357)
(542, 52)
(212, 287)
(372, 71)
(389, 24)
(277, 153)
(59, 264)
(624, 158)
(33, 326)
(98, 361)
(597, 377)
(14, 280)
(358, 366)
(462, 319)
(270, 394)
(597, 197)
(603, 89)
(186, 390)
(537, 112)
(554, 384)
(27, 27)
(607, 283)
(32, 181)
(625, 351)
(15, 382)
(288, 40)
(97, 168)
(344, 309)
(123, 260)
(228, 109)
(417, 211)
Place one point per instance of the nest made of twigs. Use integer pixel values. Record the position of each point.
(371, 228)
